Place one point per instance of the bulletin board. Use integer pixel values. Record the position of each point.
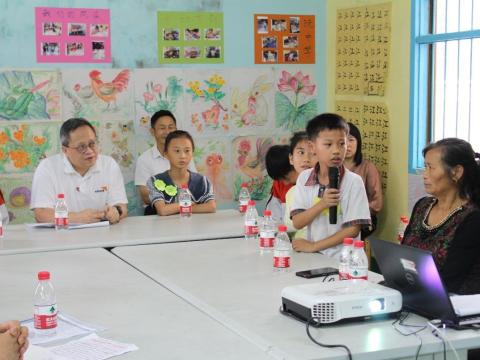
(373, 121)
(284, 39)
(72, 35)
(190, 37)
(362, 50)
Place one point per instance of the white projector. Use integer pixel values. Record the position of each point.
(330, 302)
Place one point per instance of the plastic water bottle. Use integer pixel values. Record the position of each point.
(185, 201)
(401, 228)
(358, 266)
(243, 198)
(61, 213)
(282, 250)
(45, 306)
(251, 221)
(267, 231)
(1, 227)
(345, 255)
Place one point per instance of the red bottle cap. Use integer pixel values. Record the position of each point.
(282, 228)
(43, 275)
(267, 213)
(61, 196)
(244, 185)
(184, 186)
(348, 241)
(251, 202)
(358, 244)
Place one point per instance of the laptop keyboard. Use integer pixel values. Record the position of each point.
(469, 320)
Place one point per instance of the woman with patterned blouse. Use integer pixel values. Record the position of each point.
(447, 222)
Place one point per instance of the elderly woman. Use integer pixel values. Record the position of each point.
(447, 222)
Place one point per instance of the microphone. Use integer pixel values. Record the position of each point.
(333, 177)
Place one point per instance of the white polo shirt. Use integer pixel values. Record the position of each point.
(151, 163)
(101, 185)
(352, 208)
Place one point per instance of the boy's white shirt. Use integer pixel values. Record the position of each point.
(353, 206)
(277, 209)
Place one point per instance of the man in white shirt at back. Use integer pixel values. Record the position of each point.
(92, 183)
(153, 161)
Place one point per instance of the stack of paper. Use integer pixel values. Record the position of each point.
(70, 226)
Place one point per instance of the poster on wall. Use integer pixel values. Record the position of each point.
(72, 35)
(363, 50)
(284, 39)
(190, 37)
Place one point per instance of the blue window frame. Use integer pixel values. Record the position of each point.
(445, 74)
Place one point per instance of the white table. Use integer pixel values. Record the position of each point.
(131, 231)
(232, 282)
(95, 286)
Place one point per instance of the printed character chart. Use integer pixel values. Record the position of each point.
(373, 121)
(190, 37)
(97, 94)
(284, 39)
(29, 95)
(252, 100)
(156, 89)
(363, 50)
(72, 35)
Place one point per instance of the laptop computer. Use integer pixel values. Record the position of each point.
(414, 273)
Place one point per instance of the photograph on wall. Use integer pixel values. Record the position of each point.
(252, 100)
(190, 37)
(284, 39)
(97, 94)
(207, 102)
(72, 35)
(157, 89)
(295, 97)
(29, 95)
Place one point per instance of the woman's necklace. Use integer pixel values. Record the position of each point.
(444, 220)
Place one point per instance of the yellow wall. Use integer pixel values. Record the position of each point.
(396, 99)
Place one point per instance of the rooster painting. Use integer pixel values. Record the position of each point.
(253, 165)
(215, 172)
(108, 91)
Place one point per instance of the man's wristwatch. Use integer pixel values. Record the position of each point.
(119, 209)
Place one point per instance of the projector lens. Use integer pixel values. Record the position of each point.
(376, 305)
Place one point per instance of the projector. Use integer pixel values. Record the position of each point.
(331, 302)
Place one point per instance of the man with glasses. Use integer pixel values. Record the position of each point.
(92, 183)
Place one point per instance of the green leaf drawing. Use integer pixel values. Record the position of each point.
(285, 111)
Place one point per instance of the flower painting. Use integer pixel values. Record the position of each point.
(295, 100)
(23, 146)
(206, 100)
(156, 89)
(29, 95)
(17, 192)
(117, 140)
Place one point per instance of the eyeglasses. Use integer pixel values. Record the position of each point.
(82, 148)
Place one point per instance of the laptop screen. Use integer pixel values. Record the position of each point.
(413, 272)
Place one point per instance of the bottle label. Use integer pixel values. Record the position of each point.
(185, 207)
(342, 275)
(358, 273)
(61, 221)
(45, 316)
(251, 227)
(281, 261)
(242, 206)
(267, 239)
(1, 230)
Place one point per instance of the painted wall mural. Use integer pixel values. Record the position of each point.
(234, 115)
